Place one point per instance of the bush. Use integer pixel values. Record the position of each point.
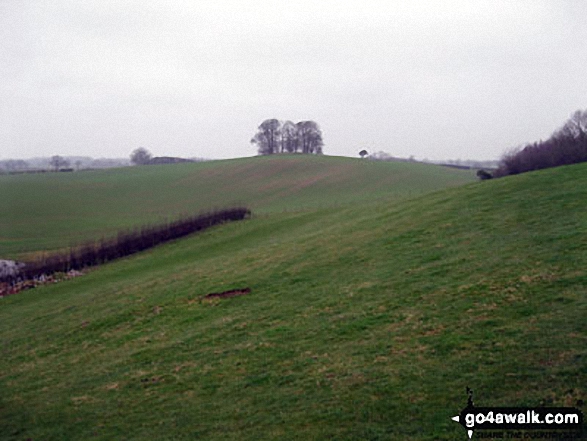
(484, 175)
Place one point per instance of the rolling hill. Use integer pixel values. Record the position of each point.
(55, 210)
(365, 320)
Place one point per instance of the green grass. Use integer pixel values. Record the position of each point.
(365, 321)
(53, 211)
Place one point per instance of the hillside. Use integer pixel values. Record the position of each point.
(364, 321)
(52, 211)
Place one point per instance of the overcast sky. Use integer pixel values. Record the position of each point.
(434, 79)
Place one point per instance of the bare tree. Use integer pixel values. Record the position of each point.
(268, 136)
(58, 161)
(289, 137)
(273, 137)
(310, 137)
(260, 140)
(140, 156)
(568, 145)
(14, 164)
(575, 127)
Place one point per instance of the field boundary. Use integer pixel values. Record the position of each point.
(125, 243)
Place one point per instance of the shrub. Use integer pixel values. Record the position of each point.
(483, 175)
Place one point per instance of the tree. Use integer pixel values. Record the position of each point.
(78, 164)
(262, 145)
(289, 137)
(14, 164)
(267, 137)
(363, 153)
(567, 145)
(274, 137)
(575, 127)
(310, 137)
(58, 161)
(140, 156)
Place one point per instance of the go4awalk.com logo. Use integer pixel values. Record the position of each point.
(521, 422)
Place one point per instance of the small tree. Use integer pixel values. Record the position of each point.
(58, 161)
(140, 156)
(363, 153)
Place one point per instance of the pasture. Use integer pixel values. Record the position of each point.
(55, 210)
(368, 312)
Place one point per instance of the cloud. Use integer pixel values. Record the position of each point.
(435, 79)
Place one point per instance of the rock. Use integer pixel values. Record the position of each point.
(9, 268)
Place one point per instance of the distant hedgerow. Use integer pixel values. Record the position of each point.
(125, 243)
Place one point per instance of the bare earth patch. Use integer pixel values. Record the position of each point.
(230, 293)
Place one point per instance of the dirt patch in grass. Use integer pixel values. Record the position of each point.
(230, 293)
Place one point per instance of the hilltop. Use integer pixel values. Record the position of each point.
(364, 320)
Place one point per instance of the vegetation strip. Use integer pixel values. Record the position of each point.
(124, 244)
(568, 145)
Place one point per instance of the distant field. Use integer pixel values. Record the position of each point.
(51, 211)
(365, 321)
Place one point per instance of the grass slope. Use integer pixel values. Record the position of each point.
(52, 211)
(364, 322)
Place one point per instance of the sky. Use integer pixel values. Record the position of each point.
(444, 79)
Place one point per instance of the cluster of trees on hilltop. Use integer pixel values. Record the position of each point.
(274, 136)
(568, 145)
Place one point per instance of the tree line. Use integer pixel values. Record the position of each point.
(274, 136)
(58, 163)
(567, 145)
(142, 156)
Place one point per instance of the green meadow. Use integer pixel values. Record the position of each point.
(55, 210)
(378, 294)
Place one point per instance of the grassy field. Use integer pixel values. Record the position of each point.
(52, 211)
(365, 321)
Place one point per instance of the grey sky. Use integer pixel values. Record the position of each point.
(435, 79)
